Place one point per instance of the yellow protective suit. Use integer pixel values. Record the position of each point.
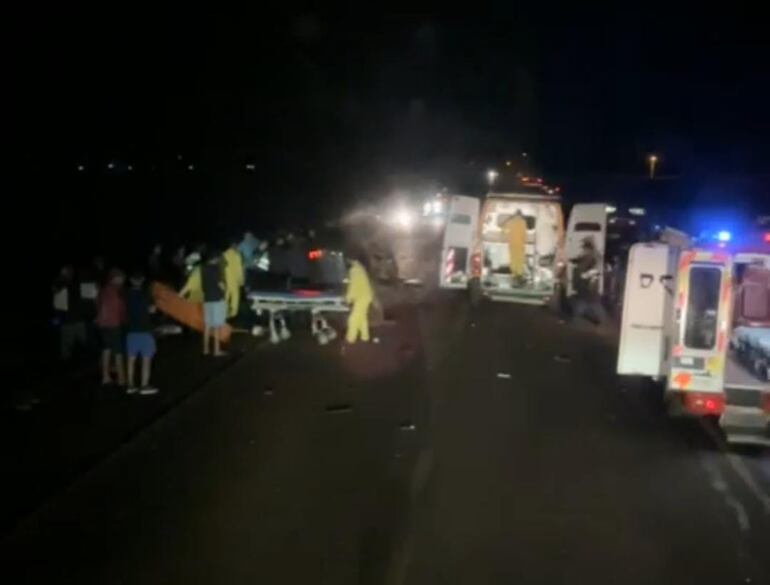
(515, 231)
(360, 296)
(233, 280)
(193, 288)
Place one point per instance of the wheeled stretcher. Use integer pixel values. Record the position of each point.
(278, 303)
(752, 345)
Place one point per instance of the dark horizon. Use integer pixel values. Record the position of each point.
(328, 109)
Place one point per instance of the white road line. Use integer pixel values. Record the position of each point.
(740, 469)
(720, 486)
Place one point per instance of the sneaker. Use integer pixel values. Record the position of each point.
(132, 390)
(148, 391)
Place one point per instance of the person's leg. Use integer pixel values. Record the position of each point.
(106, 354)
(220, 318)
(130, 371)
(146, 368)
(235, 301)
(578, 308)
(351, 333)
(354, 322)
(120, 369)
(206, 334)
(364, 323)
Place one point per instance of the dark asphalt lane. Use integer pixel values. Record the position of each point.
(565, 473)
(294, 466)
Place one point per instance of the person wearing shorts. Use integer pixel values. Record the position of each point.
(110, 315)
(214, 305)
(140, 342)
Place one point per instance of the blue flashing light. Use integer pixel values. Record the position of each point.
(724, 236)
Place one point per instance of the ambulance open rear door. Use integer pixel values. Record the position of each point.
(645, 332)
(702, 317)
(459, 236)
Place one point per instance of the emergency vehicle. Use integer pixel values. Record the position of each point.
(698, 317)
(475, 252)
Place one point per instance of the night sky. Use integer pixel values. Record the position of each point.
(334, 107)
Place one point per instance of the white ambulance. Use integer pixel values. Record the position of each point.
(475, 252)
(699, 319)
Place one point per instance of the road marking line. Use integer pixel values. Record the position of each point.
(740, 469)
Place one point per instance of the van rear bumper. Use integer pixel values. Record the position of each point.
(519, 295)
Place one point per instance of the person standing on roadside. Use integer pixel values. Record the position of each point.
(214, 305)
(69, 313)
(110, 317)
(587, 301)
(360, 296)
(140, 341)
(233, 268)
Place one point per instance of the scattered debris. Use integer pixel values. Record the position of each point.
(504, 375)
(339, 408)
(562, 358)
(407, 426)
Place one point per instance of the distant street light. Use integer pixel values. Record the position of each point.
(492, 176)
(652, 162)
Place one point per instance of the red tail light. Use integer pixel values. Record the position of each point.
(314, 254)
(703, 404)
(476, 265)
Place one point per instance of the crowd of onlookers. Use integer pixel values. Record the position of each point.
(114, 310)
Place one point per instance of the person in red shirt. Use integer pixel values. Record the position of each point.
(110, 317)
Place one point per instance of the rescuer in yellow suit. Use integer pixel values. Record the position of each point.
(193, 288)
(233, 279)
(515, 232)
(359, 295)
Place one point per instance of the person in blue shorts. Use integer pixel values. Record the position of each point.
(214, 305)
(140, 342)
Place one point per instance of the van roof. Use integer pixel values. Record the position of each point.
(524, 196)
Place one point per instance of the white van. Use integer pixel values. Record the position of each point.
(700, 320)
(475, 252)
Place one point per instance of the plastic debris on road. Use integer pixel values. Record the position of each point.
(504, 375)
(338, 408)
(562, 358)
(407, 426)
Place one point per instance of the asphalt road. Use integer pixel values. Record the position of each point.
(488, 446)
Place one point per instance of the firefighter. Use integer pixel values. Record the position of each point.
(515, 231)
(233, 278)
(359, 295)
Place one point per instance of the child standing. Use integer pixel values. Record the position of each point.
(140, 341)
(110, 315)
